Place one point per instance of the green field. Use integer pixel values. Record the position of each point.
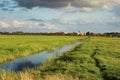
(18, 46)
(97, 58)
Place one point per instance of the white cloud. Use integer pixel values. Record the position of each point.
(106, 7)
(17, 23)
(67, 22)
(50, 26)
(90, 5)
(114, 18)
(95, 3)
(69, 8)
(100, 20)
(4, 24)
(43, 25)
(87, 9)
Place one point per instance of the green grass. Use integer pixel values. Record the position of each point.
(12, 47)
(108, 55)
(97, 58)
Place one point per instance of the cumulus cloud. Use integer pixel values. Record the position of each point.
(41, 25)
(67, 22)
(17, 23)
(87, 9)
(48, 26)
(100, 20)
(64, 3)
(67, 5)
(4, 24)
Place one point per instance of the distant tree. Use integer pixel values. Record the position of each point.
(88, 34)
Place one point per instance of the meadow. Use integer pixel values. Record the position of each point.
(13, 46)
(97, 58)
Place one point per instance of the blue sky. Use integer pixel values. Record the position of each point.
(60, 15)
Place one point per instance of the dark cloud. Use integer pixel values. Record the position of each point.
(43, 3)
(29, 4)
(63, 3)
(36, 20)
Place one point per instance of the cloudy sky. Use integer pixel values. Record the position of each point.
(60, 15)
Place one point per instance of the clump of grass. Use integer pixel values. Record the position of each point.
(16, 76)
(60, 77)
(28, 76)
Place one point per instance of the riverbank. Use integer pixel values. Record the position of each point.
(14, 46)
(35, 60)
(96, 59)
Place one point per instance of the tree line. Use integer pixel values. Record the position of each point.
(108, 34)
(40, 33)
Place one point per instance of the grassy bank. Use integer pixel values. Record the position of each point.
(96, 59)
(15, 46)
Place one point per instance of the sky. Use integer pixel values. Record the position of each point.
(60, 15)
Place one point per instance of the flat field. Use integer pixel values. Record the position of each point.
(13, 46)
(97, 58)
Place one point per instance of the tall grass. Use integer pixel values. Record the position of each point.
(28, 76)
